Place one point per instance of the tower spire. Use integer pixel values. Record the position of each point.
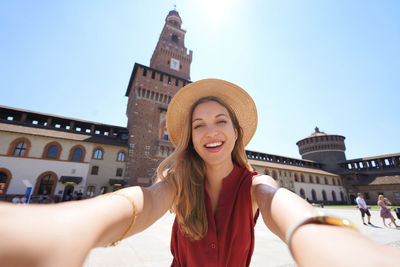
(171, 55)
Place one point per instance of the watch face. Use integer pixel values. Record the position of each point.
(174, 64)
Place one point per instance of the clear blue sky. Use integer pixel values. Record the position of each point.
(331, 64)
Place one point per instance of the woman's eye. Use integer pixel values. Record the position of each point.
(197, 126)
(223, 121)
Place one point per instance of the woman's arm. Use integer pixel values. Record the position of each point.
(315, 244)
(69, 230)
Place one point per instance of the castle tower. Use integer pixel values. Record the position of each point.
(170, 54)
(328, 149)
(149, 92)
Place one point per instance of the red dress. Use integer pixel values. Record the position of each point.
(230, 237)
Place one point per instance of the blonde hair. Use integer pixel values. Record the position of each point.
(185, 170)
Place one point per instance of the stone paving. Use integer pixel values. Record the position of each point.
(151, 247)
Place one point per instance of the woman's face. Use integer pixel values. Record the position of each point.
(213, 134)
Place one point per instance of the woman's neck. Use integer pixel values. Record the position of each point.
(216, 173)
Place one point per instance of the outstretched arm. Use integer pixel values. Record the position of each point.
(315, 244)
(69, 230)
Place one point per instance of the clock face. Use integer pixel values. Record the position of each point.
(174, 64)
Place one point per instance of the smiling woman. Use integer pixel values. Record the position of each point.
(209, 184)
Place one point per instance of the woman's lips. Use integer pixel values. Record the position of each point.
(214, 146)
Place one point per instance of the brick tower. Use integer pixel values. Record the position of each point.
(328, 149)
(149, 92)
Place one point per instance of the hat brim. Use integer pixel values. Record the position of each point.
(238, 99)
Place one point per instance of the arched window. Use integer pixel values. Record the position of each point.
(341, 196)
(334, 181)
(313, 195)
(19, 147)
(52, 151)
(302, 194)
(46, 183)
(121, 156)
(95, 170)
(296, 178)
(119, 172)
(274, 175)
(317, 178)
(98, 153)
(326, 180)
(333, 195)
(5, 177)
(339, 182)
(324, 195)
(311, 179)
(302, 178)
(77, 153)
(266, 171)
(165, 137)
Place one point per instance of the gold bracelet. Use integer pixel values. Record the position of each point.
(318, 218)
(113, 244)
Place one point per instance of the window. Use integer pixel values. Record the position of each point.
(341, 196)
(324, 195)
(77, 155)
(302, 178)
(274, 175)
(95, 170)
(153, 74)
(296, 178)
(3, 182)
(52, 152)
(90, 190)
(144, 72)
(174, 38)
(302, 194)
(119, 172)
(98, 154)
(317, 178)
(313, 195)
(333, 195)
(397, 195)
(121, 156)
(334, 181)
(326, 180)
(103, 190)
(20, 149)
(46, 184)
(166, 135)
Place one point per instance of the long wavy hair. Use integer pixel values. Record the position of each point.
(185, 170)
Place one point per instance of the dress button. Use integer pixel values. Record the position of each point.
(213, 245)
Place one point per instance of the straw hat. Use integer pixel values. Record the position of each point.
(239, 100)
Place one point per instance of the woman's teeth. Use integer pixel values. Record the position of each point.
(215, 144)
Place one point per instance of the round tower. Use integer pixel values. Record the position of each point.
(328, 149)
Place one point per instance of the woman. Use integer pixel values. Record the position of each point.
(385, 212)
(212, 189)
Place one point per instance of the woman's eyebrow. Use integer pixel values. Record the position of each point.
(222, 114)
(218, 115)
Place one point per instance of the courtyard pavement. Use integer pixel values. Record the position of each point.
(151, 247)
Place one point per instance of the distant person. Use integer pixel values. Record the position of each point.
(363, 208)
(384, 203)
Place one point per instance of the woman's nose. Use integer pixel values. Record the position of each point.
(211, 131)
